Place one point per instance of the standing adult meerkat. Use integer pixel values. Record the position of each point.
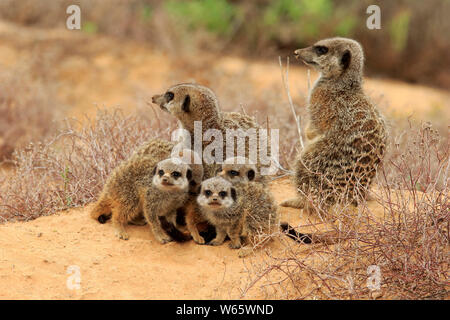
(346, 135)
(192, 102)
(143, 185)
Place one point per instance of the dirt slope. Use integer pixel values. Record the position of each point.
(36, 255)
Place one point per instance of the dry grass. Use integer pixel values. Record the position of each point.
(26, 112)
(70, 168)
(406, 237)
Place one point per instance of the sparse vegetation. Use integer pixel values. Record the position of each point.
(69, 168)
(407, 240)
(267, 28)
(60, 164)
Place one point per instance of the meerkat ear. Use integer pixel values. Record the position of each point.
(189, 174)
(186, 103)
(233, 193)
(345, 59)
(251, 174)
(154, 171)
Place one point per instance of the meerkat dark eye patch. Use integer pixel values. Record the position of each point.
(186, 104)
(208, 193)
(176, 174)
(169, 96)
(161, 172)
(189, 175)
(251, 174)
(320, 50)
(346, 58)
(223, 194)
(233, 194)
(233, 173)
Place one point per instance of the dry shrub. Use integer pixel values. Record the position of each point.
(70, 169)
(26, 112)
(405, 235)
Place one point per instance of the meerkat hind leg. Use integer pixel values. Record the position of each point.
(298, 203)
(119, 220)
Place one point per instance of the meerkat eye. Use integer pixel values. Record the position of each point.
(176, 174)
(320, 50)
(169, 96)
(208, 193)
(234, 173)
(223, 194)
(161, 172)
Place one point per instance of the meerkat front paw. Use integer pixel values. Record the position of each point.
(122, 235)
(199, 240)
(215, 242)
(164, 239)
(234, 245)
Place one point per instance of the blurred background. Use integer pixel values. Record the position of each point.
(128, 50)
(412, 44)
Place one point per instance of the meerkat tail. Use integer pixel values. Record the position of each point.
(295, 235)
(297, 203)
(102, 210)
(327, 237)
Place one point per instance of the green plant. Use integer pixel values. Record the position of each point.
(215, 16)
(399, 29)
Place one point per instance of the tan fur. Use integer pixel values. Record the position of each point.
(137, 187)
(253, 215)
(346, 135)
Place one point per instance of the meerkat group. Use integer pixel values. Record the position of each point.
(346, 140)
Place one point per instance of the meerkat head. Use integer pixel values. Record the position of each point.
(189, 102)
(334, 58)
(216, 194)
(238, 170)
(172, 175)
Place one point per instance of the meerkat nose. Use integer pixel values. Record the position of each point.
(155, 98)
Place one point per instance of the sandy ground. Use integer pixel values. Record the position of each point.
(35, 256)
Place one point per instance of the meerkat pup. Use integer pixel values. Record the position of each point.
(190, 103)
(346, 135)
(239, 205)
(145, 186)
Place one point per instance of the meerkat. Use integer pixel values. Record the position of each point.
(143, 185)
(160, 149)
(245, 178)
(192, 102)
(239, 205)
(346, 135)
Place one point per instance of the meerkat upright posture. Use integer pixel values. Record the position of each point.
(192, 102)
(346, 135)
(144, 185)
